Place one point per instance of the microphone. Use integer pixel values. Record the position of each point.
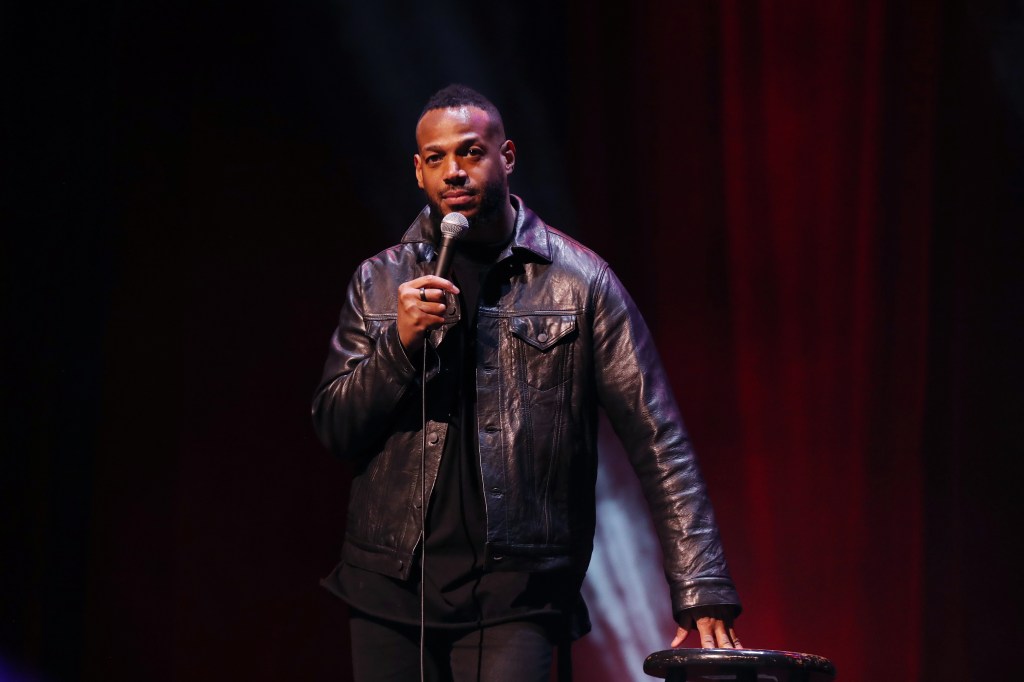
(452, 227)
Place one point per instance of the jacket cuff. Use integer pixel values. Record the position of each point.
(408, 368)
(717, 593)
(393, 353)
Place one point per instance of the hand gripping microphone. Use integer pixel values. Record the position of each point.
(452, 227)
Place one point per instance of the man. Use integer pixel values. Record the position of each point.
(479, 393)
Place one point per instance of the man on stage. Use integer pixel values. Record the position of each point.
(493, 375)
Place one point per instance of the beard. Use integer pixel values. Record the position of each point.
(493, 197)
(492, 202)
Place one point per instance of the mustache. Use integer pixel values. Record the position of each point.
(459, 189)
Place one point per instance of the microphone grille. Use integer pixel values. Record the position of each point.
(454, 224)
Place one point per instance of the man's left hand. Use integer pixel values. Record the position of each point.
(714, 633)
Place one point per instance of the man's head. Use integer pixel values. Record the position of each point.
(463, 159)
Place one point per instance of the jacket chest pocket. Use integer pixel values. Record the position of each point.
(542, 346)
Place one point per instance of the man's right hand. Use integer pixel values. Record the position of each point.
(421, 308)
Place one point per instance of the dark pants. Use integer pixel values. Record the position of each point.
(520, 651)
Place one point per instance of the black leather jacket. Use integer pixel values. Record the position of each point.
(557, 336)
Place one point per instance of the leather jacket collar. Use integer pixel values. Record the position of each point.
(530, 234)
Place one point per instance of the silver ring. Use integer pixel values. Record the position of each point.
(423, 294)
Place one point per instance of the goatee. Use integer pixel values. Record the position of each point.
(492, 202)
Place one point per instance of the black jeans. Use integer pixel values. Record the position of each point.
(519, 651)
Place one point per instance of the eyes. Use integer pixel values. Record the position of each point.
(474, 152)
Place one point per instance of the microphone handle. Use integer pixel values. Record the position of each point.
(444, 257)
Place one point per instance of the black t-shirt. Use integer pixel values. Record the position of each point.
(458, 591)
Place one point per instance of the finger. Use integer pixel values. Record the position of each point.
(721, 636)
(735, 638)
(681, 634)
(412, 306)
(707, 634)
(431, 318)
(425, 321)
(430, 295)
(432, 282)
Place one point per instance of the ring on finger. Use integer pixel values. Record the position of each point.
(423, 293)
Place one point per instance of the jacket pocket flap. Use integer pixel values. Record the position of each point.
(543, 331)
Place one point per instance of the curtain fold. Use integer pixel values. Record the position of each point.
(785, 159)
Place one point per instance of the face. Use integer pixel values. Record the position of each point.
(463, 163)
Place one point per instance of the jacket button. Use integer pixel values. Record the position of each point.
(433, 439)
(542, 337)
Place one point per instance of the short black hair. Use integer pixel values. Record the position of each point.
(458, 95)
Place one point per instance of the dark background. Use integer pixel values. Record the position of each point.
(817, 206)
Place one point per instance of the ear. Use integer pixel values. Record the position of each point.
(418, 163)
(508, 154)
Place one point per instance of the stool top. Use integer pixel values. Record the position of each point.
(660, 663)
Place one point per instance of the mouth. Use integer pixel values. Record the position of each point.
(458, 197)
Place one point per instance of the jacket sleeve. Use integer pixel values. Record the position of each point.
(633, 389)
(365, 377)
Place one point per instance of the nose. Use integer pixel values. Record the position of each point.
(453, 171)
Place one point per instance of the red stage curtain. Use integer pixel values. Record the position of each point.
(784, 156)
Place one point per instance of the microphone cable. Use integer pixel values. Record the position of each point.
(452, 226)
(423, 511)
